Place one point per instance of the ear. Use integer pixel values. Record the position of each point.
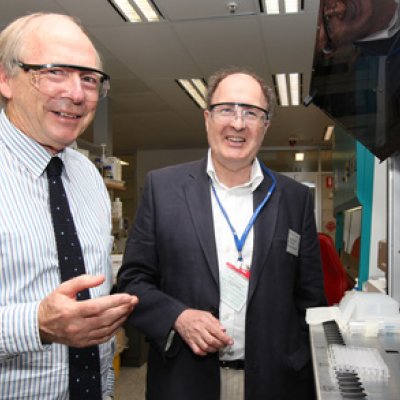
(206, 115)
(5, 88)
(266, 126)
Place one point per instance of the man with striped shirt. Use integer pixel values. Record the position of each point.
(50, 84)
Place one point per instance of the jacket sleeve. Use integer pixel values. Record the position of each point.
(309, 288)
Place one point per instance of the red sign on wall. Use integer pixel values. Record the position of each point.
(329, 182)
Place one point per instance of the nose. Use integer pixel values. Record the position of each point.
(238, 121)
(74, 88)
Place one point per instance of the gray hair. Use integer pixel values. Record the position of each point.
(13, 39)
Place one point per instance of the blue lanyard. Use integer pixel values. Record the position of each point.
(239, 242)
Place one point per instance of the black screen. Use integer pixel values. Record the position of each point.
(356, 76)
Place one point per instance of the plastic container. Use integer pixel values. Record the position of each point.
(116, 168)
(117, 208)
(107, 172)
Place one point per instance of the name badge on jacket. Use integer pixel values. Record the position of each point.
(293, 243)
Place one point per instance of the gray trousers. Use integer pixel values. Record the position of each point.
(232, 384)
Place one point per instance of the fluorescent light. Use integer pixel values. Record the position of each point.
(291, 6)
(127, 10)
(328, 133)
(201, 87)
(147, 9)
(299, 156)
(193, 88)
(124, 163)
(294, 89)
(272, 7)
(294, 80)
(136, 10)
(282, 89)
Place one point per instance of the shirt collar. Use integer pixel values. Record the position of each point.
(392, 28)
(256, 175)
(29, 152)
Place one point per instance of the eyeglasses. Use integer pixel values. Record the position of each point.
(49, 79)
(250, 114)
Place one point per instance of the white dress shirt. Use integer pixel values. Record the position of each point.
(238, 204)
(29, 264)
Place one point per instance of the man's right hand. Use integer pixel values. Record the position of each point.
(63, 319)
(202, 332)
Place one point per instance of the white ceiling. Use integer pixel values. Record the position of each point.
(197, 37)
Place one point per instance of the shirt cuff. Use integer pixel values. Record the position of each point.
(19, 329)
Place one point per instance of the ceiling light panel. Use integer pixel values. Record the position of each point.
(136, 10)
(273, 7)
(200, 86)
(282, 89)
(288, 88)
(125, 9)
(195, 88)
(147, 9)
(294, 89)
(291, 6)
(328, 133)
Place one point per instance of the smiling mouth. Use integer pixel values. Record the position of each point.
(235, 139)
(67, 115)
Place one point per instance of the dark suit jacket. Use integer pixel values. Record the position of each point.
(171, 264)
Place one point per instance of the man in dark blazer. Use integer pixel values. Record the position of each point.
(224, 258)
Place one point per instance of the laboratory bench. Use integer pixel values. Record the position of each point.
(333, 385)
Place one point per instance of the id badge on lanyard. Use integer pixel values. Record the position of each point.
(234, 284)
(234, 278)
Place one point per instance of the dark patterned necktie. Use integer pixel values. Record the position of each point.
(84, 363)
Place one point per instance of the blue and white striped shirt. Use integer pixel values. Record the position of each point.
(29, 264)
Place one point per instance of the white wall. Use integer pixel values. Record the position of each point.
(379, 216)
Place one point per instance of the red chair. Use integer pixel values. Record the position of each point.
(336, 280)
(355, 250)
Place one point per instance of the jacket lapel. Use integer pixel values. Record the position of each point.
(197, 192)
(264, 229)
(198, 198)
